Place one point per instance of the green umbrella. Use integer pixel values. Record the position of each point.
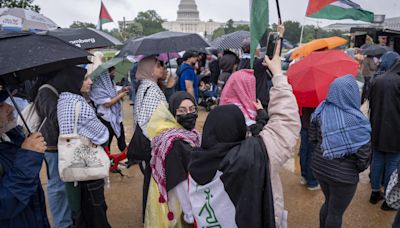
(122, 67)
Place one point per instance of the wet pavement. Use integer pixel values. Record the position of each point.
(124, 197)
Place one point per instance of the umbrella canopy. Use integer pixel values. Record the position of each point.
(318, 44)
(375, 50)
(312, 76)
(24, 20)
(85, 38)
(231, 41)
(122, 67)
(26, 55)
(165, 57)
(163, 42)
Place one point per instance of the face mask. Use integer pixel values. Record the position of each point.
(187, 121)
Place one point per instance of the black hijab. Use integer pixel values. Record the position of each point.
(224, 129)
(244, 164)
(69, 79)
(176, 100)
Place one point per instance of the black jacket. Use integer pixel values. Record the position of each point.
(46, 106)
(342, 170)
(385, 111)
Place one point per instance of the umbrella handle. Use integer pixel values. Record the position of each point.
(16, 108)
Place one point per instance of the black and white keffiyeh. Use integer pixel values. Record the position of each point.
(148, 98)
(88, 124)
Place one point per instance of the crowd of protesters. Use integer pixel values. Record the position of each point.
(226, 175)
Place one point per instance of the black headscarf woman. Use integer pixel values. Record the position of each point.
(171, 152)
(68, 79)
(188, 121)
(244, 165)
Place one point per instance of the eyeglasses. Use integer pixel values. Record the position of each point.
(184, 110)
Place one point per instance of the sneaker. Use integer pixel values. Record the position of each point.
(303, 180)
(376, 197)
(314, 188)
(386, 207)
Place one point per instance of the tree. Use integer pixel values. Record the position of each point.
(218, 32)
(25, 4)
(229, 28)
(133, 30)
(242, 28)
(79, 24)
(292, 31)
(151, 22)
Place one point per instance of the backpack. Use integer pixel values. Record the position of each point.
(30, 115)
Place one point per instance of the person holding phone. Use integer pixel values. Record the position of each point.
(223, 168)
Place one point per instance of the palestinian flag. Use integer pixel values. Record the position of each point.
(231, 187)
(258, 24)
(337, 10)
(104, 16)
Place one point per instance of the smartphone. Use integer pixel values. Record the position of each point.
(272, 40)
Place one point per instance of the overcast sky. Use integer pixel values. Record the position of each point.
(64, 12)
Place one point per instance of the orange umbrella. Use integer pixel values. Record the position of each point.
(318, 44)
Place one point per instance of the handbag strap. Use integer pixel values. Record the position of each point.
(77, 113)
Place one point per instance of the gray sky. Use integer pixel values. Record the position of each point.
(64, 12)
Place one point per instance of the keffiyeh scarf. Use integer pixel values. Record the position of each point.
(89, 125)
(344, 127)
(161, 146)
(103, 90)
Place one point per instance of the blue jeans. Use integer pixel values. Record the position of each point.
(58, 202)
(383, 164)
(306, 151)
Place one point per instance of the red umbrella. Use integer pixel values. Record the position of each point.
(312, 76)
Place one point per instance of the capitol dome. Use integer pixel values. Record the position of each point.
(187, 11)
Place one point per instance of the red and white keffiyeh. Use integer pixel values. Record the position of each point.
(161, 146)
(240, 90)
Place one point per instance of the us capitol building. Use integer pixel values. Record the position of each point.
(189, 21)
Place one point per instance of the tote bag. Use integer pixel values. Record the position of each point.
(78, 158)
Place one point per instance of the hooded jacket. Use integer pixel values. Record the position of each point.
(385, 106)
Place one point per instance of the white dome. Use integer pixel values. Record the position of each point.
(188, 11)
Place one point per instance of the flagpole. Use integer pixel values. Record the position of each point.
(279, 12)
(302, 31)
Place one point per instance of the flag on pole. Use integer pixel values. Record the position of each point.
(258, 24)
(104, 16)
(337, 10)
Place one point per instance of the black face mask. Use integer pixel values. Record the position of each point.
(187, 121)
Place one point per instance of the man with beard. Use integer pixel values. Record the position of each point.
(22, 202)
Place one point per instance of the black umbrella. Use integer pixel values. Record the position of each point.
(85, 38)
(163, 42)
(231, 41)
(375, 50)
(26, 55)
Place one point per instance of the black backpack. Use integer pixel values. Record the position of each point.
(139, 147)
